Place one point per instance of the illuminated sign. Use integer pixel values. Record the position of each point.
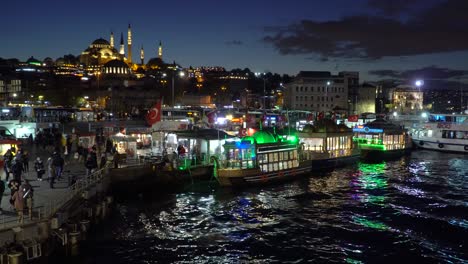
(367, 130)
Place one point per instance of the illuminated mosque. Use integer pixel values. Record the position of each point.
(103, 56)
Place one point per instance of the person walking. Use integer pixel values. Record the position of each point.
(18, 202)
(51, 169)
(39, 167)
(17, 169)
(7, 159)
(89, 164)
(28, 193)
(103, 160)
(25, 161)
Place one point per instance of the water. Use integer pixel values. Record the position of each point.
(410, 210)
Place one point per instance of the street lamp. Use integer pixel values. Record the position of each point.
(181, 74)
(419, 83)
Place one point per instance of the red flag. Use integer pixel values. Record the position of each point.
(154, 114)
(353, 118)
(211, 117)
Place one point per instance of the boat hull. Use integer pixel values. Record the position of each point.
(254, 176)
(331, 163)
(372, 155)
(441, 145)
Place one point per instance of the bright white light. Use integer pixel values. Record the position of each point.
(419, 83)
(221, 121)
(182, 74)
(424, 115)
(328, 82)
(86, 97)
(5, 110)
(395, 114)
(164, 75)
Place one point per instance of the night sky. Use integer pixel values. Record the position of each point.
(379, 38)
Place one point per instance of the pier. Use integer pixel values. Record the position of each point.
(60, 216)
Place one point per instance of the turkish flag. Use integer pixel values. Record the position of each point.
(211, 117)
(154, 114)
(353, 118)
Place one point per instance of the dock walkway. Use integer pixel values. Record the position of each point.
(45, 198)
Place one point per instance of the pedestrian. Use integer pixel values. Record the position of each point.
(89, 164)
(79, 150)
(17, 169)
(2, 190)
(26, 161)
(116, 160)
(103, 160)
(51, 169)
(39, 167)
(7, 159)
(19, 159)
(28, 193)
(18, 202)
(57, 162)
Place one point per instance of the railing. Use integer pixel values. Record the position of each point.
(51, 207)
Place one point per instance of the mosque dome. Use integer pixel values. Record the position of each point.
(100, 41)
(155, 63)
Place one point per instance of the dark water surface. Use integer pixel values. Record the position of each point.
(410, 210)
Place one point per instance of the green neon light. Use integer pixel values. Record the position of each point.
(367, 140)
(373, 146)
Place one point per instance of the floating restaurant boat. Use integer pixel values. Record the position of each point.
(380, 140)
(443, 132)
(326, 145)
(261, 158)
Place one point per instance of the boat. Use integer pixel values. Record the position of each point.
(327, 145)
(263, 157)
(382, 140)
(443, 132)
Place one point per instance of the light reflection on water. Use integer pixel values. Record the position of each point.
(412, 209)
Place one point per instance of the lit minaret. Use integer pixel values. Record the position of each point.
(129, 43)
(112, 39)
(122, 48)
(160, 50)
(142, 55)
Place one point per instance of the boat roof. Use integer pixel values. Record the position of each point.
(385, 125)
(207, 134)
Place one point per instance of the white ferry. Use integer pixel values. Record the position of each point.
(443, 132)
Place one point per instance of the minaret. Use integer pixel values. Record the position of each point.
(112, 40)
(142, 55)
(160, 50)
(122, 48)
(129, 44)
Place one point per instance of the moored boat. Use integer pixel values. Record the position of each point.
(380, 140)
(443, 132)
(327, 145)
(261, 158)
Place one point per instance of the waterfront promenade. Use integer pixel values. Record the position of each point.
(44, 197)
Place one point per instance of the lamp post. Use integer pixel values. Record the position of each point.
(181, 74)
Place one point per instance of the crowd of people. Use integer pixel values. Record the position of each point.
(55, 152)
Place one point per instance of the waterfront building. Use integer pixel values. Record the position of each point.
(366, 98)
(407, 99)
(320, 91)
